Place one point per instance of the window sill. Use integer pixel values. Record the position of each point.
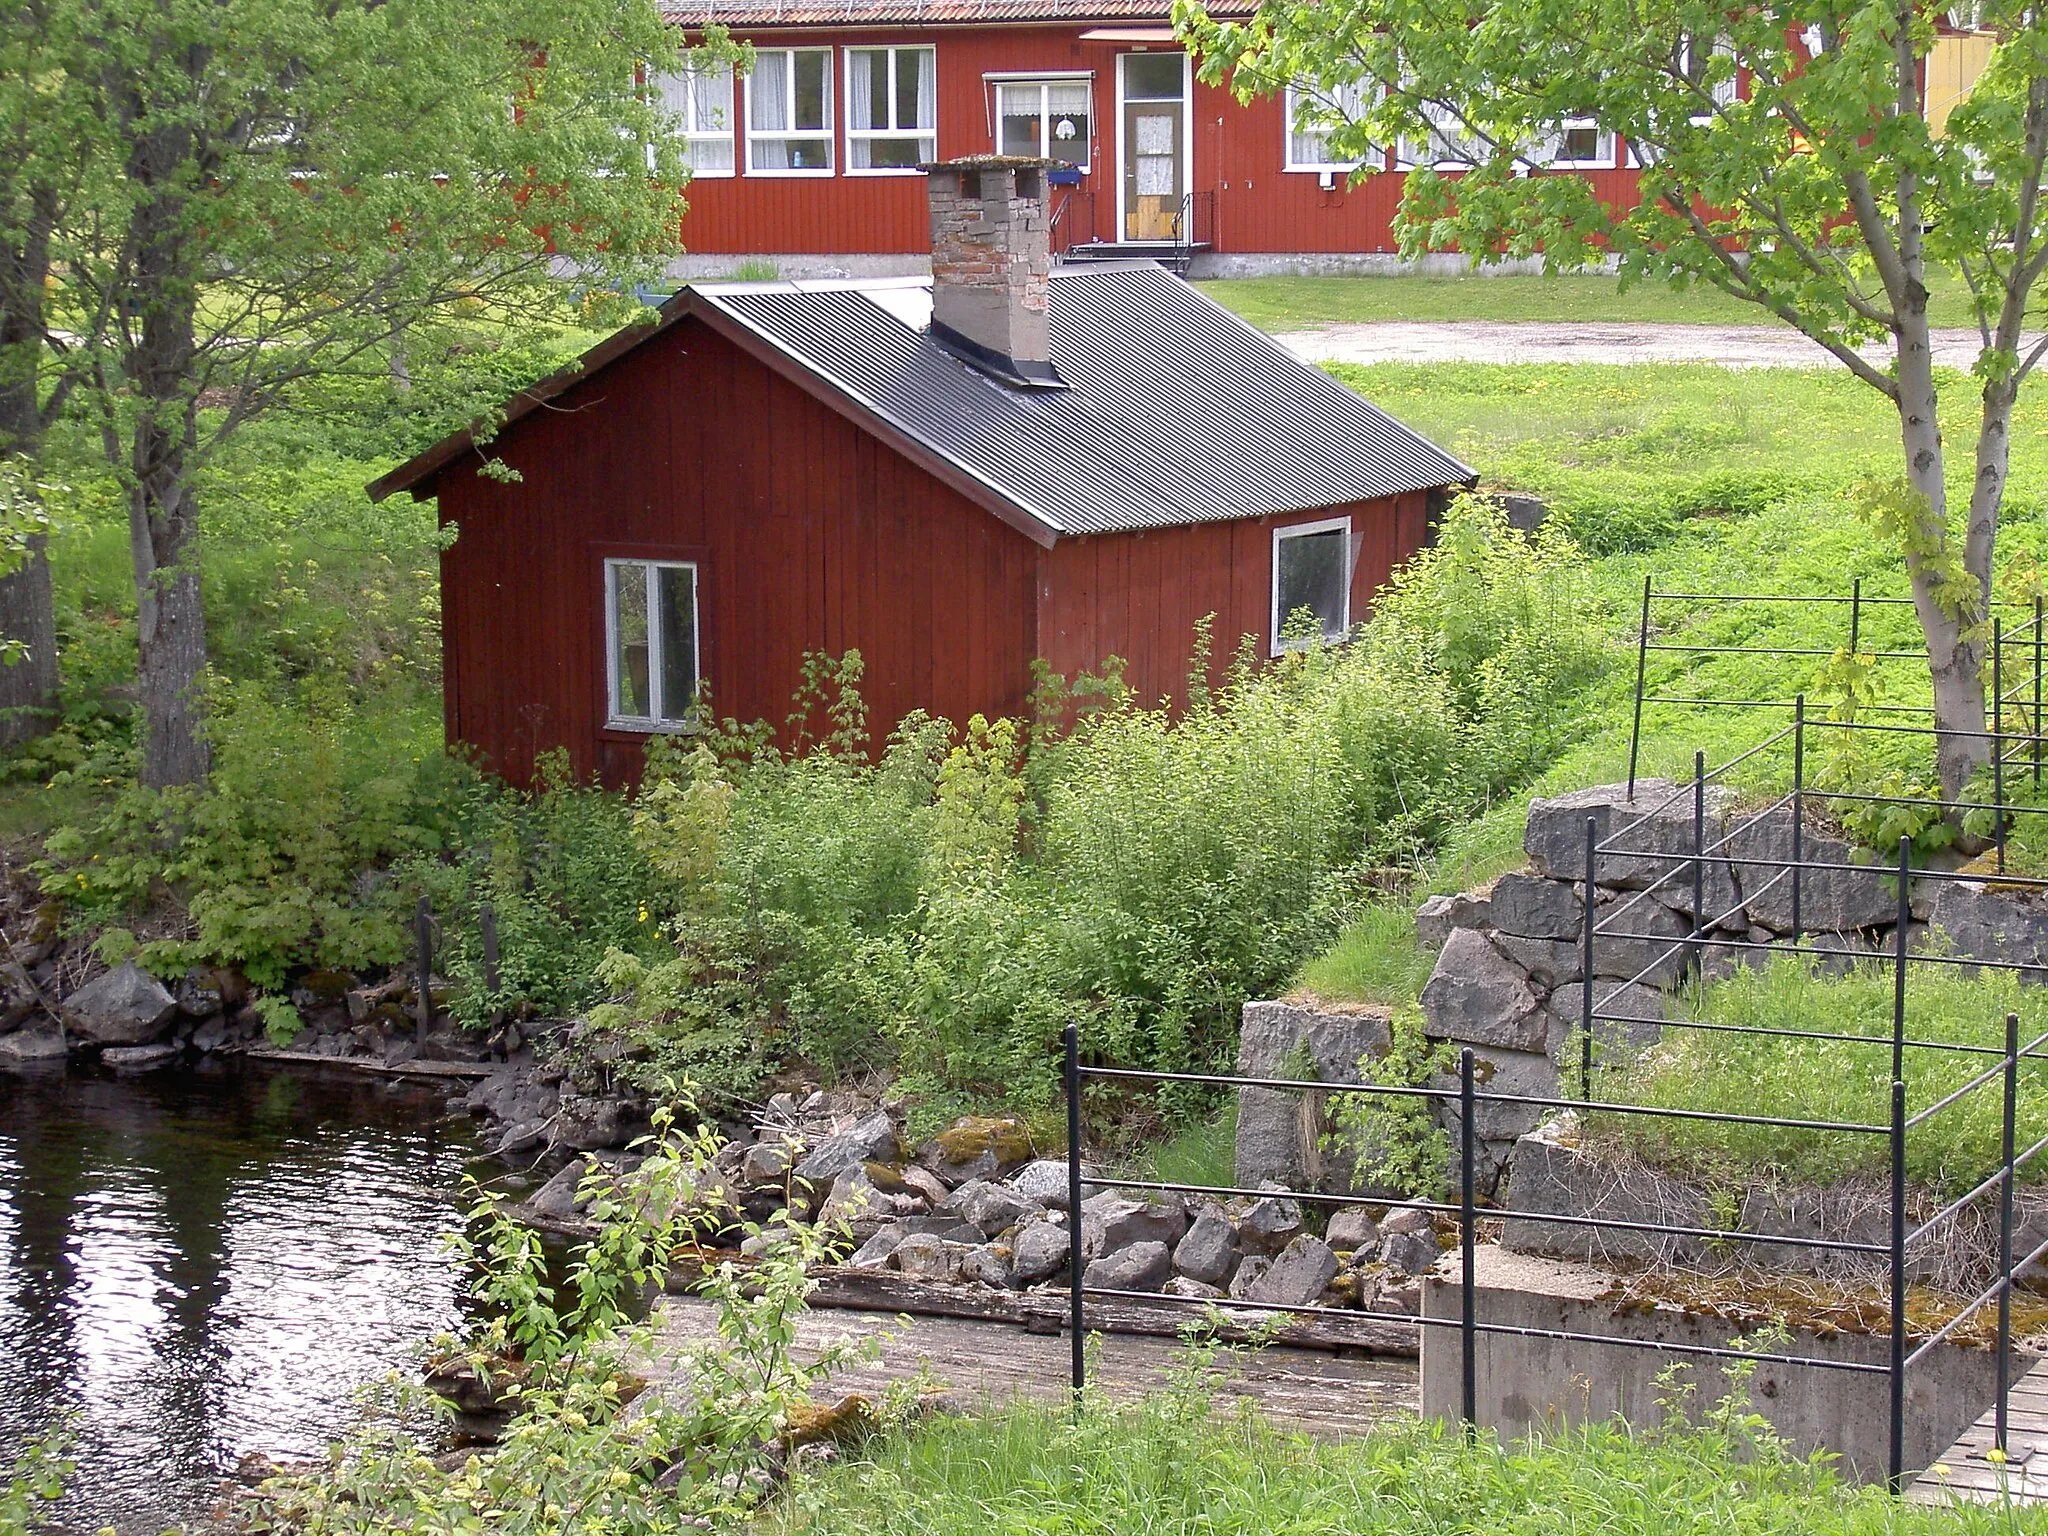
(640, 730)
(792, 175)
(697, 175)
(884, 170)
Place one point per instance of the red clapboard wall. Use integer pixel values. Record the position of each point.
(810, 535)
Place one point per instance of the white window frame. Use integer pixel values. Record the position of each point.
(690, 132)
(929, 135)
(1553, 158)
(1277, 619)
(1290, 100)
(655, 723)
(1043, 80)
(828, 135)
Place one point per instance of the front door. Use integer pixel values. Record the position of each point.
(1155, 145)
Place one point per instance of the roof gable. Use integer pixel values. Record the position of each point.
(1177, 412)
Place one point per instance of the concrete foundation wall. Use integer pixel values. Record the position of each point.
(1526, 1384)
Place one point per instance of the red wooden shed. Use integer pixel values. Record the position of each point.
(953, 477)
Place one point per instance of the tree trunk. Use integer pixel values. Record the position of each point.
(1951, 619)
(163, 533)
(28, 614)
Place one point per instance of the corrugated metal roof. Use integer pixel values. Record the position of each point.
(1177, 411)
(861, 13)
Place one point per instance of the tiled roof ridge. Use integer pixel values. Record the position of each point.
(915, 12)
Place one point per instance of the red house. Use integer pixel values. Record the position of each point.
(810, 162)
(954, 477)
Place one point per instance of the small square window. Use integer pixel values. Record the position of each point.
(650, 614)
(1312, 575)
(789, 112)
(1046, 119)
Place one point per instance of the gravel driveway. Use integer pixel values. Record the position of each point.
(1525, 341)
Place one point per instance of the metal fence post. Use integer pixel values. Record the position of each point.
(1635, 734)
(1586, 965)
(2012, 1088)
(1699, 862)
(1856, 616)
(1468, 1222)
(1896, 1464)
(1798, 808)
(1998, 738)
(1899, 974)
(1072, 1039)
(2037, 692)
(423, 939)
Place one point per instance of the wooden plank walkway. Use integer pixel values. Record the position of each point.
(1970, 1478)
(1314, 1391)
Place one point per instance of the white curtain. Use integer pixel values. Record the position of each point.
(860, 99)
(928, 89)
(768, 93)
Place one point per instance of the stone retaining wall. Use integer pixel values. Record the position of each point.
(1509, 975)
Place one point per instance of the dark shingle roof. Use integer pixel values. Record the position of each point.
(1178, 412)
(792, 13)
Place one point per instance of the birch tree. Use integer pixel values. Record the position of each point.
(1787, 158)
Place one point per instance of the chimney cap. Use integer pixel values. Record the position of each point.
(990, 163)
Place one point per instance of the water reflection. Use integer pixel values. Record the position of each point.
(201, 1266)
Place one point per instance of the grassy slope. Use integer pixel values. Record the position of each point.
(1620, 435)
(1303, 303)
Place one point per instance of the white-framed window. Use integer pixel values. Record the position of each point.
(892, 109)
(1448, 144)
(1049, 118)
(650, 635)
(1312, 571)
(701, 100)
(789, 112)
(1313, 111)
(1579, 143)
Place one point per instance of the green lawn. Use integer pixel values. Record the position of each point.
(1705, 480)
(1304, 303)
(1167, 1468)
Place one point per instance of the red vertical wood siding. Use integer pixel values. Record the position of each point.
(810, 536)
(1236, 157)
(1140, 595)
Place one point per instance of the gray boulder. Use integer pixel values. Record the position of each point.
(1477, 994)
(1280, 1131)
(768, 1159)
(1652, 834)
(1140, 1267)
(1552, 1177)
(1298, 1277)
(871, 1139)
(1209, 1251)
(923, 1257)
(1830, 901)
(1532, 907)
(1193, 1290)
(142, 1058)
(1528, 1073)
(1352, 1230)
(1410, 1253)
(977, 1147)
(1248, 1275)
(992, 1207)
(1639, 942)
(1548, 963)
(987, 1265)
(1044, 1183)
(1437, 917)
(1986, 924)
(32, 1045)
(19, 996)
(1266, 1224)
(199, 995)
(876, 1252)
(1111, 1221)
(126, 1006)
(1407, 1219)
(1039, 1252)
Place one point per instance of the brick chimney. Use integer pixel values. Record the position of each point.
(991, 263)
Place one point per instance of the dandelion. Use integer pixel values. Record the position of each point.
(643, 911)
(1995, 1456)
(1939, 1469)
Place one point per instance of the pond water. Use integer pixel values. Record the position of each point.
(197, 1266)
